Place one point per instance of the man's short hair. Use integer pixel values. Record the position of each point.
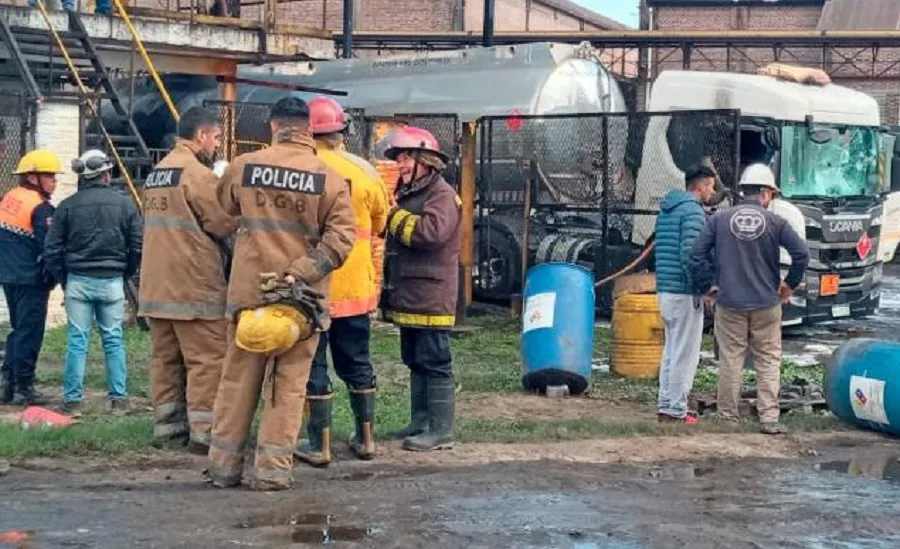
(695, 173)
(194, 119)
(290, 111)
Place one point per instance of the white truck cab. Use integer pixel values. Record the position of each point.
(828, 151)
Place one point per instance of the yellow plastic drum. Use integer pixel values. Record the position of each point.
(637, 343)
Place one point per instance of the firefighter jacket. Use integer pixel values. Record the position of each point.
(25, 217)
(422, 257)
(182, 271)
(295, 217)
(353, 290)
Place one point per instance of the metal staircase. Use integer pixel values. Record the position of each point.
(52, 62)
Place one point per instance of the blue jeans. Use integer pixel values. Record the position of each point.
(104, 299)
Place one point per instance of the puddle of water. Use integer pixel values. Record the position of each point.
(828, 542)
(885, 467)
(284, 519)
(679, 472)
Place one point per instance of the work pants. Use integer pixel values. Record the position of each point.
(760, 331)
(683, 324)
(27, 315)
(185, 369)
(245, 374)
(348, 339)
(426, 352)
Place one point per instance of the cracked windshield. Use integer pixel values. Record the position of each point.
(830, 162)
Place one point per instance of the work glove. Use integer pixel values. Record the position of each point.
(298, 294)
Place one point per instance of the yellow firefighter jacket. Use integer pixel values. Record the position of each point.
(295, 215)
(182, 267)
(353, 289)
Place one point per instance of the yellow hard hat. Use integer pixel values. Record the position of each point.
(272, 329)
(38, 161)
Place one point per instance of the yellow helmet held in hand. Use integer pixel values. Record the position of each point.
(38, 161)
(271, 330)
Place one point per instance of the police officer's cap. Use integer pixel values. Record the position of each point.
(289, 107)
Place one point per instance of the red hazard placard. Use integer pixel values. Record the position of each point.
(864, 246)
(514, 122)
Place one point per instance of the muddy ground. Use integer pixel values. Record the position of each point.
(716, 491)
(733, 491)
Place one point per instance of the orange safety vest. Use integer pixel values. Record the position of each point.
(17, 209)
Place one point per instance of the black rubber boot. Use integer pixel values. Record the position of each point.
(362, 442)
(418, 405)
(29, 396)
(441, 396)
(316, 449)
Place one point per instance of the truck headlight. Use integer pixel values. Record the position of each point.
(798, 301)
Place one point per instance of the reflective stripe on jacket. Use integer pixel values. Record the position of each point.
(182, 269)
(353, 290)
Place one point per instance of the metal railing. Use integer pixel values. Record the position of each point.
(86, 94)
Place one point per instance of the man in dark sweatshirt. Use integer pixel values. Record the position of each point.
(739, 251)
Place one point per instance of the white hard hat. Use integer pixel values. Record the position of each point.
(219, 167)
(91, 164)
(758, 175)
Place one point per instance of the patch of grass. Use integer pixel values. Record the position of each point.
(487, 360)
(105, 436)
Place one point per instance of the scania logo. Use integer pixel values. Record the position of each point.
(846, 226)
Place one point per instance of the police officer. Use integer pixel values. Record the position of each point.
(352, 296)
(296, 221)
(25, 217)
(183, 282)
(420, 290)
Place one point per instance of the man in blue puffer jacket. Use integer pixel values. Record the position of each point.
(681, 217)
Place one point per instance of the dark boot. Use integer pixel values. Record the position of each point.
(441, 396)
(316, 450)
(29, 396)
(362, 442)
(418, 405)
(7, 387)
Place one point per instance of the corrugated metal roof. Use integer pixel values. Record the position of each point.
(860, 15)
(589, 16)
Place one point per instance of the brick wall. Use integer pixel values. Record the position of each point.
(734, 18)
(57, 131)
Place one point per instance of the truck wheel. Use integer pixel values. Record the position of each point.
(497, 264)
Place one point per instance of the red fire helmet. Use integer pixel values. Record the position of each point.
(326, 116)
(411, 138)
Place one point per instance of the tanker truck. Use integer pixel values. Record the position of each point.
(832, 161)
(530, 79)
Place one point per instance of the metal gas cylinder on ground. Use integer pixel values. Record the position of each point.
(558, 327)
(637, 343)
(862, 384)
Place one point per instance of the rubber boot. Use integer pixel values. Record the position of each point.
(441, 396)
(316, 449)
(29, 396)
(362, 442)
(418, 406)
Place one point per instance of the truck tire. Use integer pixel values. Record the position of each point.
(497, 262)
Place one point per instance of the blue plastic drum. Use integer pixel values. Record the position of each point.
(862, 384)
(557, 327)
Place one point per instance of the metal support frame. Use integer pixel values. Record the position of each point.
(18, 58)
(487, 29)
(347, 37)
(869, 55)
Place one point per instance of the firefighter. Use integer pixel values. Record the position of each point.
(183, 283)
(296, 221)
(25, 218)
(352, 297)
(420, 288)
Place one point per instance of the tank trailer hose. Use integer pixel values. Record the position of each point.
(627, 268)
